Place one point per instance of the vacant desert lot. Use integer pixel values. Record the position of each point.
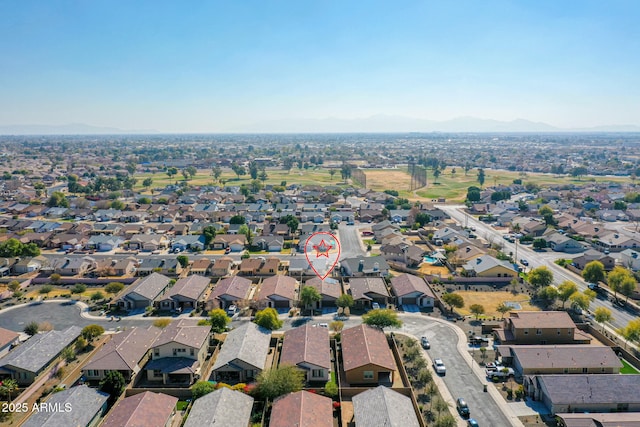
(388, 179)
(491, 300)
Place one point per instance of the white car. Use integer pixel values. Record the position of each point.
(438, 366)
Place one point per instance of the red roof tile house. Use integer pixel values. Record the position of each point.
(146, 409)
(307, 347)
(302, 408)
(412, 290)
(329, 290)
(278, 292)
(227, 292)
(366, 356)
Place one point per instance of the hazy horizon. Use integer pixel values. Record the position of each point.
(291, 66)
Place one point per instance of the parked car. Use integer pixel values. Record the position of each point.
(462, 407)
(231, 310)
(478, 340)
(438, 366)
(472, 423)
(524, 262)
(375, 305)
(425, 343)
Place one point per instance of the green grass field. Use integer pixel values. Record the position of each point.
(628, 369)
(452, 187)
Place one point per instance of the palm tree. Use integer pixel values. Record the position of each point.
(8, 387)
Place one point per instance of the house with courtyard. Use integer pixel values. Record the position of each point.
(243, 354)
(230, 407)
(329, 290)
(147, 409)
(178, 354)
(412, 290)
(488, 266)
(307, 347)
(366, 356)
(382, 406)
(30, 359)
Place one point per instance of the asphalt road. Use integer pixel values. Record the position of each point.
(536, 259)
(350, 241)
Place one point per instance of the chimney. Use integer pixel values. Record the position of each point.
(361, 265)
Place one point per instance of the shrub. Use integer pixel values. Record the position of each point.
(331, 389)
(60, 373)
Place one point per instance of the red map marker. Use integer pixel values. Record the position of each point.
(322, 251)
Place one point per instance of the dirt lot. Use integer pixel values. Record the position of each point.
(490, 300)
(388, 179)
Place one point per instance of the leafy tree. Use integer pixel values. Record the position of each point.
(627, 286)
(92, 331)
(445, 420)
(172, 171)
(97, 296)
(481, 177)
(593, 272)
(473, 194)
(631, 332)
(477, 310)
(268, 318)
(15, 248)
(183, 260)
(580, 300)
(78, 288)
(201, 388)
(58, 199)
(45, 289)
(382, 318)
(238, 170)
(453, 300)
(263, 175)
(14, 285)
(209, 233)
(309, 295)
(565, 290)
(114, 287)
(279, 381)
(539, 243)
(615, 279)
(540, 277)
(291, 221)
(336, 325)
(114, 384)
(216, 172)
(332, 172)
(191, 171)
(548, 294)
(219, 320)
(31, 328)
(503, 309)
(68, 354)
(55, 277)
(602, 315)
(422, 219)
(237, 219)
(345, 300)
(8, 387)
(144, 201)
(147, 182)
(81, 344)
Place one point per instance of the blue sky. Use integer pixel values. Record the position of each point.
(213, 66)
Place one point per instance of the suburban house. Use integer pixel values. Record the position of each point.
(366, 356)
(269, 243)
(410, 255)
(166, 266)
(278, 292)
(185, 294)
(235, 242)
(561, 243)
(592, 255)
(365, 266)
(585, 393)
(302, 408)
(560, 359)
(8, 339)
(616, 242)
(307, 347)
(630, 259)
(539, 327)
(299, 267)
(189, 242)
(145, 409)
(412, 290)
(227, 292)
(74, 267)
(488, 266)
(124, 267)
(26, 265)
(28, 360)
(143, 292)
(200, 266)
(126, 353)
(329, 290)
(222, 267)
(179, 353)
(381, 406)
(104, 243)
(91, 404)
(223, 406)
(148, 242)
(368, 290)
(243, 355)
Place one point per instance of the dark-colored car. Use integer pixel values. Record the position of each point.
(425, 343)
(524, 262)
(462, 407)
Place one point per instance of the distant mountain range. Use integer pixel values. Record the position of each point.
(373, 124)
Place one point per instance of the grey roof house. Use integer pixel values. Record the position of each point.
(365, 266)
(143, 292)
(30, 359)
(186, 293)
(81, 406)
(243, 355)
(382, 406)
(224, 406)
